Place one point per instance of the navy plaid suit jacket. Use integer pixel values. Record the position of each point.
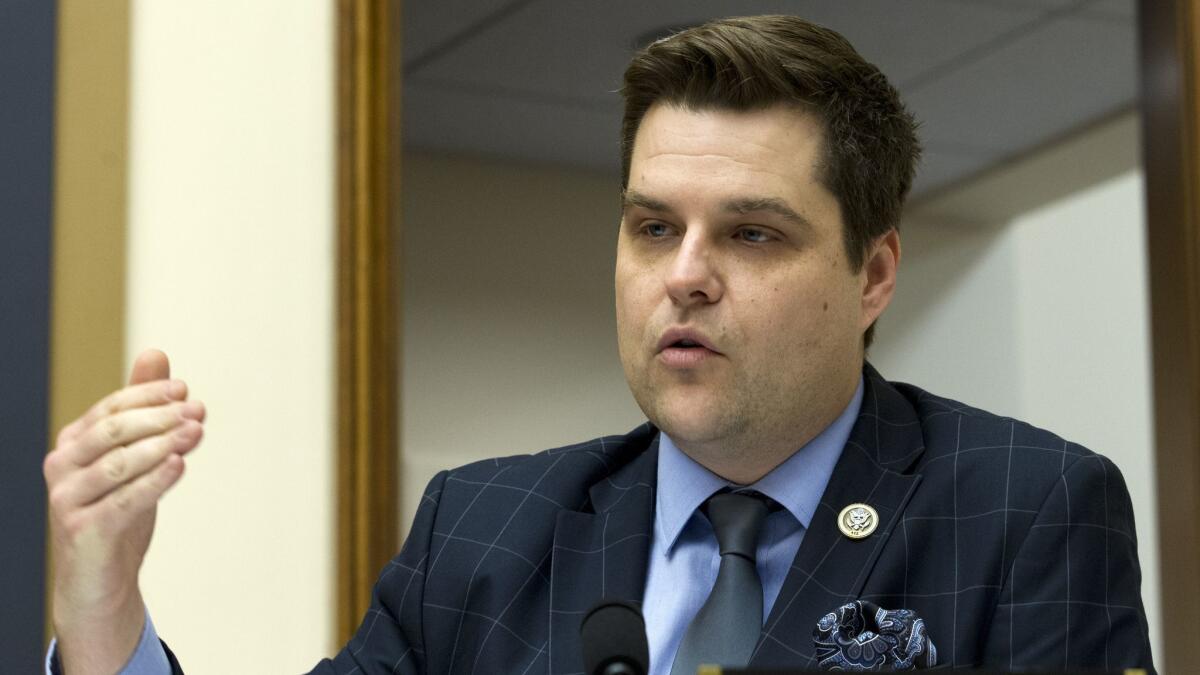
(1017, 548)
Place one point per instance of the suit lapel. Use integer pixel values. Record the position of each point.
(831, 569)
(601, 551)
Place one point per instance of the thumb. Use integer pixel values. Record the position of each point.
(150, 365)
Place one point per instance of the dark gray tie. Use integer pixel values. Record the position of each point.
(726, 628)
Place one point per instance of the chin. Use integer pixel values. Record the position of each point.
(692, 422)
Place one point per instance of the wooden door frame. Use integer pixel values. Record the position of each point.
(367, 328)
(1168, 32)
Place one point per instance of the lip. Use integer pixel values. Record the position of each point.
(673, 335)
(679, 358)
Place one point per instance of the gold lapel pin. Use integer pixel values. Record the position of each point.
(858, 521)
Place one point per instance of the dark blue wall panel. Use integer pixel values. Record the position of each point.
(26, 179)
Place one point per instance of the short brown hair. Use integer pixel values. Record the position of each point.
(748, 63)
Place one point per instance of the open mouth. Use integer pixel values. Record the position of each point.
(685, 353)
(685, 345)
(685, 341)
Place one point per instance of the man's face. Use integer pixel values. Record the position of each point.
(739, 319)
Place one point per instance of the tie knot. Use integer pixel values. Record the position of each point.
(737, 519)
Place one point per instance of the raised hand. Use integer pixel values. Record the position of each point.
(104, 478)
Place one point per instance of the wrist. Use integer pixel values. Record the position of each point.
(99, 642)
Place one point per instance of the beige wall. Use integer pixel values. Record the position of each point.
(509, 328)
(230, 272)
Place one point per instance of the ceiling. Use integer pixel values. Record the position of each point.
(536, 80)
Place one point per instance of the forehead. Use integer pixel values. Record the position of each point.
(709, 156)
(779, 146)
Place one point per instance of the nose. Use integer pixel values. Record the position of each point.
(693, 278)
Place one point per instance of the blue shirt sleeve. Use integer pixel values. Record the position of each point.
(149, 658)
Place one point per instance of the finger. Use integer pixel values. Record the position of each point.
(150, 365)
(129, 426)
(123, 464)
(158, 392)
(133, 498)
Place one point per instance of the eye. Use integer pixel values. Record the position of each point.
(753, 235)
(656, 230)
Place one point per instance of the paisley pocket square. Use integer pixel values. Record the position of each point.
(861, 636)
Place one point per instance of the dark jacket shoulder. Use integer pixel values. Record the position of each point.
(944, 419)
(551, 480)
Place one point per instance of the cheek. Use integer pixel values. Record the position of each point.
(634, 281)
(621, 286)
(815, 310)
(626, 295)
(840, 311)
(631, 304)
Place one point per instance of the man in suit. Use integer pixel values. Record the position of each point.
(765, 167)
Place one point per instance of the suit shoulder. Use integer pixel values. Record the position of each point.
(953, 429)
(975, 463)
(567, 469)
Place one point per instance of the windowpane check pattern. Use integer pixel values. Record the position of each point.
(1015, 546)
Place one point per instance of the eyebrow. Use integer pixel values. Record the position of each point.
(741, 205)
(770, 204)
(634, 199)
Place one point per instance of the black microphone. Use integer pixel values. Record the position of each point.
(613, 634)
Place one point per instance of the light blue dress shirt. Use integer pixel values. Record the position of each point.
(684, 558)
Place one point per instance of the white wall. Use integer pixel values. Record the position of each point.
(1036, 306)
(231, 273)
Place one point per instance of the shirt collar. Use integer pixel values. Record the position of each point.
(796, 484)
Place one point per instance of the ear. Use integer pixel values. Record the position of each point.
(879, 276)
